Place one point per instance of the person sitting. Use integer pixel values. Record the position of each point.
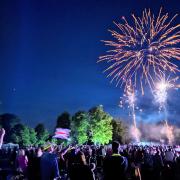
(115, 166)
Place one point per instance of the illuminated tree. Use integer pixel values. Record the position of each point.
(100, 125)
(33, 137)
(79, 127)
(25, 139)
(20, 135)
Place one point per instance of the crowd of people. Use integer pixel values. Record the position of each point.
(91, 162)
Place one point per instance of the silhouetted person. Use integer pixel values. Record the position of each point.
(35, 169)
(80, 170)
(49, 164)
(115, 166)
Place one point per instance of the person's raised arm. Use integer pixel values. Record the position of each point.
(64, 151)
(2, 133)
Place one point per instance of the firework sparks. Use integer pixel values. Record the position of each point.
(160, 92)
(169, 132)
(131, 98)
(144, 48)
(161, 95)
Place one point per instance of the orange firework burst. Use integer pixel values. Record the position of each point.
(142, 50)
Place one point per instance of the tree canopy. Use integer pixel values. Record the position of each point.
(42, 134)
(64, 120)
(79, 127)
(22, 135)
(8, 121)
(93, 126)
(119, 131)
(100, 125)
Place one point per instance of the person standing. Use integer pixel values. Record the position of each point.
(22, 162)
(80, 170)
(115, 166)
(49, 164)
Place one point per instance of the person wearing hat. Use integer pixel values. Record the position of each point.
(49, 164)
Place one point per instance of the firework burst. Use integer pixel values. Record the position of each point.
(161, 89)
(143, 49)
(161, 94)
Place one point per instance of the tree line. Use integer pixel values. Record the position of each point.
(94, 126)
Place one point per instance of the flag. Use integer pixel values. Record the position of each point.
(62, 133)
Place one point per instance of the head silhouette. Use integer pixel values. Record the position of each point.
(115, 147)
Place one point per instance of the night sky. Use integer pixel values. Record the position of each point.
(48, 55)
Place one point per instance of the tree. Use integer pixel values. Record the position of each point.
(33, 137)
(8, 121)
(54, 141)
(64, 120)
(25, 139)
(101, 127)
(119, 131)
(42, 134)
(79, 127)
(20, 134)
(15, 133)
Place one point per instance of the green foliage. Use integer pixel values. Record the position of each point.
(42, 134)
(79, 127)
(20, 134)
(25, 137)
(33, 138)
(8, 121)
(94, 126)
(119, 131)
(82, 132)
(54, 141)
(64, 120)
(101, 127)
(15, 133)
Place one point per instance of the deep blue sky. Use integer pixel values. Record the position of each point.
(48, 54)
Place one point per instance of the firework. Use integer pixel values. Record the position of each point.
(143, 49)
(161, 89)
(131, 98)
(161, 95)
(169, 132)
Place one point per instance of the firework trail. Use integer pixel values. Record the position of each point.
(130, 94)
(160, 95)
(142, 49)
